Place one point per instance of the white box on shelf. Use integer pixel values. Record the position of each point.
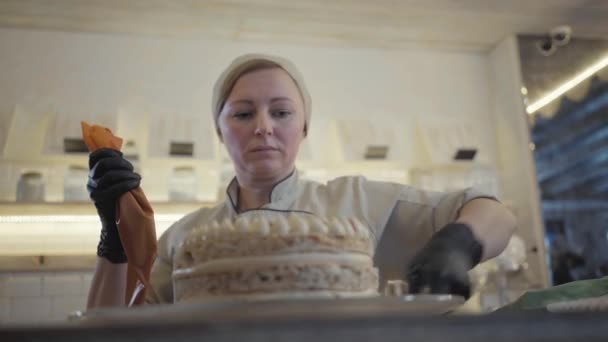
(357, 136)
(182, 128)
(456, 176)
(63, 125)
(442, 138)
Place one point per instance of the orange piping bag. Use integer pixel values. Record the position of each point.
(135, 220)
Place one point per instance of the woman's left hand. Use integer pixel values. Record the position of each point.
(443, 263)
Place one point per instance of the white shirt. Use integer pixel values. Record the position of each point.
(401, 218)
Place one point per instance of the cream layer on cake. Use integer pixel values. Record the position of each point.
(297, 256)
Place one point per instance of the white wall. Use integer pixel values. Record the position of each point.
(87, 73)
(516, 164)
(149, 79)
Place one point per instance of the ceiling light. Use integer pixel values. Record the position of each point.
(559, 91)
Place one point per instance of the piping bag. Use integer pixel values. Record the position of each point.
(135, 221)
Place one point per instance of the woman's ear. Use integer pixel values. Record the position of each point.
(219, 134)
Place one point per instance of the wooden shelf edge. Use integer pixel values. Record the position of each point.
(45, 263)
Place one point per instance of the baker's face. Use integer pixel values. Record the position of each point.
(262, 124)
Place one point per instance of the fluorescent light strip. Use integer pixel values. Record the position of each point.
(75, 218)
(545, 100)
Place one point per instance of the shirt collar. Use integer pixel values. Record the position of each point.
(281, 190)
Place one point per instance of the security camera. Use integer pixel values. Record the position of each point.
(561, 35)
(546, 46)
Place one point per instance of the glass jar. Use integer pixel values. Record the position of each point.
(30, 187)
(75, 184)
(183, 184)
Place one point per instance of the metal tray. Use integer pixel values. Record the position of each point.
(425, 304)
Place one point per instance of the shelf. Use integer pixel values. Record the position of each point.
(87, 208)
(44, 263)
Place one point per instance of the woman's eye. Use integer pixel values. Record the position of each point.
(242, 115)
(281, 113)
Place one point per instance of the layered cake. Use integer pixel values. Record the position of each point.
(276, 256)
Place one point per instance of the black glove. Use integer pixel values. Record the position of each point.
(110, 176)
(442, 264)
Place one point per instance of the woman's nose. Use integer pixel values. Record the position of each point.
(263, 125)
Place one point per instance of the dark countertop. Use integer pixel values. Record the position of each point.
(313, 322)
(495, 328)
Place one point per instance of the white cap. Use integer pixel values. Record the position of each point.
(223, 86)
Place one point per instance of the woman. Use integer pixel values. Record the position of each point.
(262, 112)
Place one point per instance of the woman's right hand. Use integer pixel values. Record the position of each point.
(110, 176)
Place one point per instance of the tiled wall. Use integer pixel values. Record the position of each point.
(39, 297)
